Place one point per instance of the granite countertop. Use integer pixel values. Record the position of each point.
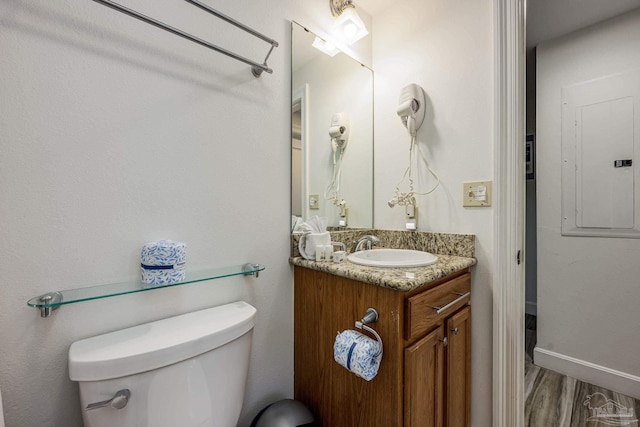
(455, 252)
(401, 279)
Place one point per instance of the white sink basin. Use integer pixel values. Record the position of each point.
(392, 258)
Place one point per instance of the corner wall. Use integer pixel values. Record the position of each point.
(447, 48)
(587, 287)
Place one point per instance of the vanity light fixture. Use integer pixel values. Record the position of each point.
(325, 46)
(348, 25)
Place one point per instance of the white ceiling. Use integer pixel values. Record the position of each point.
(372, 7)
(548, 19)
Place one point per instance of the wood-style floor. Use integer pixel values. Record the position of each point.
(555, 400)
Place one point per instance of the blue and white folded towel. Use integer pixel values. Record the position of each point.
(163, 262)
(163, 277)
(358, 353)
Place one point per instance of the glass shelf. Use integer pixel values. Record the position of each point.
(51, 301)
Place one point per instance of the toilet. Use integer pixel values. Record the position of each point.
(187, 371)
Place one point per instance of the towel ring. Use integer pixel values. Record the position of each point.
(370, 316)
(359, 325)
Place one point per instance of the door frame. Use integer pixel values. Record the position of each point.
(300, 96)
(509, 213)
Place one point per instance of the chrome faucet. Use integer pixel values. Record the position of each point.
(367, 241)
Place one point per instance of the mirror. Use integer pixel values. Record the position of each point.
(331, 136)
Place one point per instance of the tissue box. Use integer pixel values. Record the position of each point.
(163, 262)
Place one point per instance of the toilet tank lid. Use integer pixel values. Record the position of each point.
(154, 345)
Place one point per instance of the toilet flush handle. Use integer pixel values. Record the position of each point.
(118, 401)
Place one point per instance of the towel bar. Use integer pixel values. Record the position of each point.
(256, 68)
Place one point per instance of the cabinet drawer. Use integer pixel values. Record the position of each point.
(425, 310)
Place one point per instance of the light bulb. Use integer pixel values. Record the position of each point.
(350, 30)
(349, 27)
(325, 46)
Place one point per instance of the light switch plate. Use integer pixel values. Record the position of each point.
(314, 201)
(476, 193)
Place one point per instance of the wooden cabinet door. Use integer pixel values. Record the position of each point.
(324, 305)
(424, 381)
(458, 362)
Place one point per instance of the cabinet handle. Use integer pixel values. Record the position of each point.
(444, 341)
(439, 310)
(455, 331)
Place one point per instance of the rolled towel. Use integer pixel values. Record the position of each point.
(309, 241)
(358, 353)
(163, 253)
(163, 262)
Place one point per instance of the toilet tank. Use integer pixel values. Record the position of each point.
(187, 371)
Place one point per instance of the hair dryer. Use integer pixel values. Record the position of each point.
(411, 106)
(411, 109)
(339, 130)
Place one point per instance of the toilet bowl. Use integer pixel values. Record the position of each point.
(187, 371)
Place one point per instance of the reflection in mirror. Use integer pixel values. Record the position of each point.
(331, 135)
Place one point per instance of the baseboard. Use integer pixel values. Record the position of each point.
(602, 376)
(531, 308)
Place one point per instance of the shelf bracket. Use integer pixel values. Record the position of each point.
(252, 269)
(50, 302)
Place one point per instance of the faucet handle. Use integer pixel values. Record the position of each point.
(368, 240)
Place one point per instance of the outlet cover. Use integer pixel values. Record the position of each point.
(476, 193)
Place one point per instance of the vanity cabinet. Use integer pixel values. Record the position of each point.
(424, 375)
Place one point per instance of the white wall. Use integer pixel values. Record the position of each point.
(587, 287)
(447, 48)
(114, 133)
